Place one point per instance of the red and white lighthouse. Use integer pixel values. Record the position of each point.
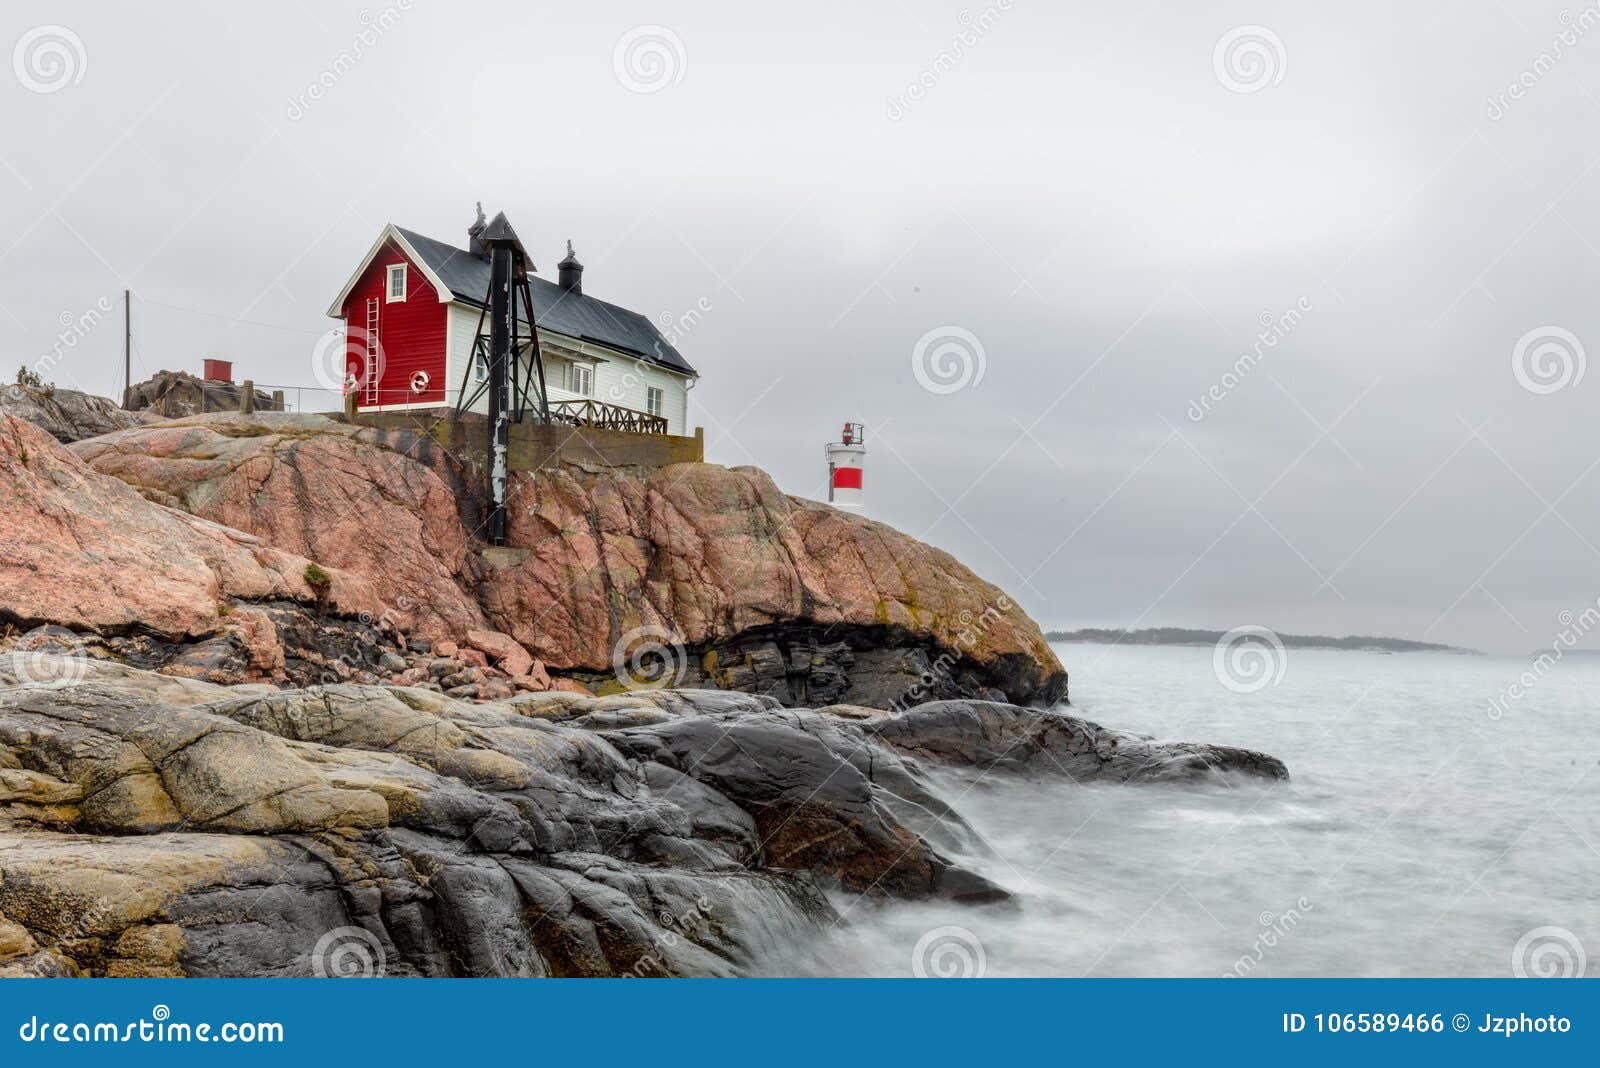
(845, 458)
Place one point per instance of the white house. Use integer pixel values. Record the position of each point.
(411, 312)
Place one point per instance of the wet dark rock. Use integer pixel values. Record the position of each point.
(806, 666)
(808, 784)
(992, 735)
(156, 825)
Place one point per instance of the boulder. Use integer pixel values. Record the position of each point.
(507, 655)
(66, 414)
(179, 393)
(992, 734)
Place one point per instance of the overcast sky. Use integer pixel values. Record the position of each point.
(1095, 205)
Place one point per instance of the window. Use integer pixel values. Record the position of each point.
(654, 400)
(397, 283)
(480, 365)
(580, 380)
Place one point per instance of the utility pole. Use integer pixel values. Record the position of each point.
(127, 346)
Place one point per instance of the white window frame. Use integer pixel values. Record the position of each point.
(576, 371)
(393, 271)
(655, 400)
(480, 365)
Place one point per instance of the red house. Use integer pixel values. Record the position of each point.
(411, 312)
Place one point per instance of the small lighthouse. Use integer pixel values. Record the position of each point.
(845, 457)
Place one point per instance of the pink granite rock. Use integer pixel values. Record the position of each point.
(84, 550)
(512, 658)
(714, 570)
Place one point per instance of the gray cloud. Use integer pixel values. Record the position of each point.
(1077, 188)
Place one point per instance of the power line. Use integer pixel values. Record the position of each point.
(231, 318)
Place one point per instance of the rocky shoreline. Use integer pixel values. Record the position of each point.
(159, 826)
(269, 706)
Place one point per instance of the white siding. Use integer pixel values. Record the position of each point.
(555, 373)
(624, 382)
(618, 379)
(463, 329)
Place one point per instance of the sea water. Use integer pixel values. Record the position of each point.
(1433, 825)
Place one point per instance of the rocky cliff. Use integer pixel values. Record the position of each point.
(153, 826)
(692, 574)
(178, 798)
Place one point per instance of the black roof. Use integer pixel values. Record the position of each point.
(574, 314)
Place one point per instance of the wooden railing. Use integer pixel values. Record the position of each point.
(603, 416)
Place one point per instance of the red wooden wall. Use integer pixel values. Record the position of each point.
(411, 333)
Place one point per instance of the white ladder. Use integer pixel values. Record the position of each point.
(369, 372)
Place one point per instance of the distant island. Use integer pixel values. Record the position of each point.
(1185, 636)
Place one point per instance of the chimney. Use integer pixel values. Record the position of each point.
(570, 272)
(475, 246)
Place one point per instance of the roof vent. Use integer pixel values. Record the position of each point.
(474, 245)
(570, 272)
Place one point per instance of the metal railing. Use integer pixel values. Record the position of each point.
(313, 400)
(216, 396)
